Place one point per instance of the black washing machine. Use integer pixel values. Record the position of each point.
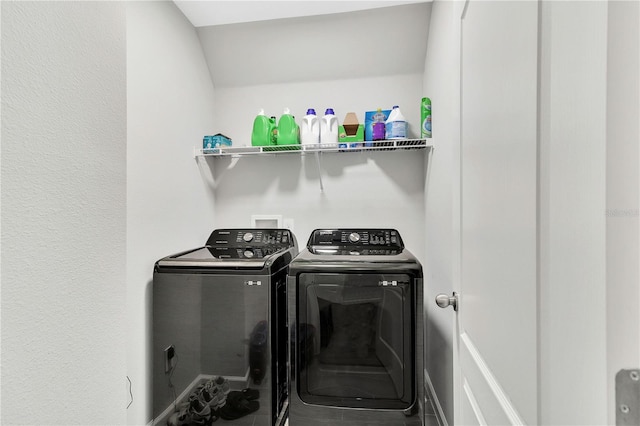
(219, 311)
(356, 330)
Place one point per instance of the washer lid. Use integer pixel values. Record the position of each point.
(237, 249)
(222, 257)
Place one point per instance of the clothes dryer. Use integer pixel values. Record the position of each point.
(219, 312)
(356, 330)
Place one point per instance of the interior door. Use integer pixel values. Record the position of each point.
(496, 373)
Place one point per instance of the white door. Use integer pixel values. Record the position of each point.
(497, 366)
(547, 274)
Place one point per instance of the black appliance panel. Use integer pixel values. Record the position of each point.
(356, 238)
(224, 309)
(357, 349)
(251, 237)
(356, 325)
(237, 249)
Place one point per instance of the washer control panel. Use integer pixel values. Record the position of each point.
(356, 238)
(243, 239)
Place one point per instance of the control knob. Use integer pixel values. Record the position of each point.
(354, 237)
(247, 237)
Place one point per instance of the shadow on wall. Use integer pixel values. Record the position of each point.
(254, 175)
(401, 168)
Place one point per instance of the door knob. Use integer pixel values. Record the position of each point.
(443, 300)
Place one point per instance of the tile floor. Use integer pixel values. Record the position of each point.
(430, 418)
(262, 415)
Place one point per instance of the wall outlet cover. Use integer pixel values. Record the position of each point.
(266, 221)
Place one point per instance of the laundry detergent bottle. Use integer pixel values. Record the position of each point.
(262, 130)
(288, 129)
(396, 125)
(310, 128)
(329, 127)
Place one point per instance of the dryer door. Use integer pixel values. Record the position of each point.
(356, 345)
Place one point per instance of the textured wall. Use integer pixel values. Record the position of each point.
(63, 217)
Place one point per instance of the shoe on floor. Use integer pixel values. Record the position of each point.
(192, 413)
(211, 396)
(248, 393)
(238, 406)
(222, 384)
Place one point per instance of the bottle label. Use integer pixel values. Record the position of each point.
(378, 131)
(396, 130)
(426, 127)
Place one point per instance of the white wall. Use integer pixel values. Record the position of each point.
(384, 189)
(170, 108)
(339, 46)
(360, 189)
(236, 107)
(63, 217)
(441, 83)
(623, 192)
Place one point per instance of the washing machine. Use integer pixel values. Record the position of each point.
(356, 330)
(219, 311)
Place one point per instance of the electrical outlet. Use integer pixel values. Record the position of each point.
(169, 358)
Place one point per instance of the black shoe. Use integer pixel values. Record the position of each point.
(238, 406)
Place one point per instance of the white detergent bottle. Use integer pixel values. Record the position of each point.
(396, 125)
(329, 127)
(310, 128)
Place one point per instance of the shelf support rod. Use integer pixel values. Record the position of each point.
(319, 170)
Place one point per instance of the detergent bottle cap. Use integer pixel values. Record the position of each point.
(311, 111)
(329, 111)
(261, 111)
(286, 111)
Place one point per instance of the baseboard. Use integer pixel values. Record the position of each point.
(434, 401)
(162, 418)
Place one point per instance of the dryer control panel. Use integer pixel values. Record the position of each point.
(356, 238)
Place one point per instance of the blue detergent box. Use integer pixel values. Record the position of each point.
(371, 117)
(218, 140)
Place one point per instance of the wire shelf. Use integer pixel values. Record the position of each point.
(384, 145)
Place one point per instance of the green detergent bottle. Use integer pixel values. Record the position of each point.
(263, 133)
(288, 130)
